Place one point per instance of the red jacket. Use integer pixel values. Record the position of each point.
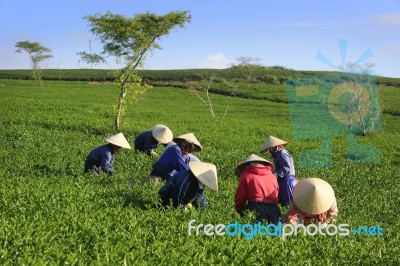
(256, 183)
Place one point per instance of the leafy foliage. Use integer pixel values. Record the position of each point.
(128, 40)
(37, 54)
(51, 213)
(268, 75)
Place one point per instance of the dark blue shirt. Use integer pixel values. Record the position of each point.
(283, 162)
(182, 188)
(145, 142)
(171, 159)
(100, 159)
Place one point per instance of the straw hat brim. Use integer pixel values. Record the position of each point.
(190, 137)
(206, 173)
(119, 140)
(253, 159)
(162, 134)
(313, 196)
(271, 142)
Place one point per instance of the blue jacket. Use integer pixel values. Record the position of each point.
(182, 188)
(145, 142)
(100, 159)
(283, 162)
(171, 159)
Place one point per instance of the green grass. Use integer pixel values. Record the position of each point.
(52, 214)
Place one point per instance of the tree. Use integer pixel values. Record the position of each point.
(204, 85)
(37, 53)
(247, 61)
(128, 40)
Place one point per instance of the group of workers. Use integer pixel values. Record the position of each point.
(263, 184)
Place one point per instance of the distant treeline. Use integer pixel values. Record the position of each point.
(269, 75)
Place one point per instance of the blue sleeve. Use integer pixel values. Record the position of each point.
(283, 168)
(107, 160)
(179, 164)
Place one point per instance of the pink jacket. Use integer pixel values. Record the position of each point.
(256, 183)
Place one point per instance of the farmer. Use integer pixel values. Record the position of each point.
(257, 189)
(101, 159)
(149, 140)
(174, 158)
(314, 201)
(185, 186)
(284, 168)
(190, 157)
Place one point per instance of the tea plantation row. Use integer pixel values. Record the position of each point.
(53, 214)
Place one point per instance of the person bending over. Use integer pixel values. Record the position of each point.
(101, 159)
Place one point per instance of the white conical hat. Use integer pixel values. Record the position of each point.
(272, 142)
(162, 134)
(253, 159)
(119, 140)
(206, 173)
(189, 137)
(313, 196)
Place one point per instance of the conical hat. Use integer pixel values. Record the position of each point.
(272, 142)
(206, 173)
(313, 196)
(189, 137)
(119, 140)
(162, 134)
(253, 159)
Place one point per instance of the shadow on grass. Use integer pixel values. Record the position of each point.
(129, 199)
(137, 201)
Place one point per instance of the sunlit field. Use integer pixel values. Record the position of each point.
(53, 214)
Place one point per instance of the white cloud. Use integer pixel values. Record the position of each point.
(387, 19)
(218, 61)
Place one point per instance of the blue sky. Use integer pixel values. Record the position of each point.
(287, 33)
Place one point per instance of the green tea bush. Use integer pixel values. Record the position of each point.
(53, 214)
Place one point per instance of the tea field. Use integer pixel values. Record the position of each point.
(53, 214)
